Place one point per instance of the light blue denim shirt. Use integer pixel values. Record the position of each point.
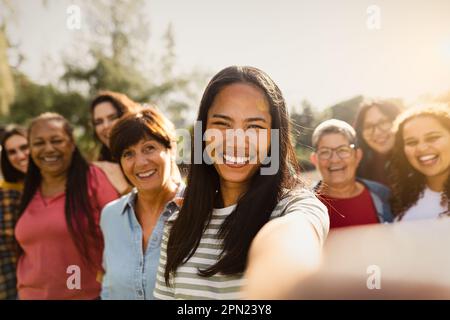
(130, 274)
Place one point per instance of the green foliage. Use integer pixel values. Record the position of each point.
(33, 99)
(118, 47)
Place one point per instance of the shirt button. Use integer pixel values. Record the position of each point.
(140, 293)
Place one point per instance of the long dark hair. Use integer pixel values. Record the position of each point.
(11, 174)
(387, 108)
(254, 207)
(408, 183)
(122, 104)
(77, 208)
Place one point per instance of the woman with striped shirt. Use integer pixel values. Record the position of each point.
(240, 216)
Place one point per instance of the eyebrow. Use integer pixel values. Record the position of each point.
(112, 114)
(51, 137)
(252, 119)
(426, 134)
(342, 145)
(368, 122)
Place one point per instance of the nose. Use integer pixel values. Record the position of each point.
(237, 141)
(105, 125)
(141, 160)
(422, 146)
(22, 154)
(48, 147)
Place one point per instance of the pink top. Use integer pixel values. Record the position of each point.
(51, 266)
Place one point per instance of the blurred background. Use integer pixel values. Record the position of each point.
(326, 56)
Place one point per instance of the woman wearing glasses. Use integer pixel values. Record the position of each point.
(421, 164)
(350, 201)
(374, 134)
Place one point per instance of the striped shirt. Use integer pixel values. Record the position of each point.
(188, 284)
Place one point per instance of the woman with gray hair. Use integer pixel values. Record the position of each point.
(350, 200)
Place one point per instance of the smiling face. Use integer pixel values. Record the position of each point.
(50, 147)
(105, 116)
(427, 146)
(240, 107)
(340, 169)
(377, 131)
(147, 165)
(16, 148)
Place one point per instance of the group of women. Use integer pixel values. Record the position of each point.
(409, 152)
(127, 226)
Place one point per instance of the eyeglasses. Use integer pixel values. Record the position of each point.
(343, 152)
(384, 126)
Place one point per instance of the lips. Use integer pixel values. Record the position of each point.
(336, 169)
(235, 160)
(428, 160)
(380, 141)
(50, 159)
(146, 174)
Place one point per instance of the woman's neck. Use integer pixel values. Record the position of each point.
(231, 192)
(348, 190)
(52, 185)
(153, 202)
(437, 183)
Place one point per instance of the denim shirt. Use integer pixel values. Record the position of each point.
(381, 196)
(129, 273)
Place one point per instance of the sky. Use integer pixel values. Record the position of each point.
(322, 51)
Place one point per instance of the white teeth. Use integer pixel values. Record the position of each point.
(428, 157)
(50, 159)
(336, 169)
(236, 160)
(146, 174)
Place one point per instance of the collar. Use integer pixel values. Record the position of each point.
(172, 205)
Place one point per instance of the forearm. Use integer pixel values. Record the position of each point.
(282, 254)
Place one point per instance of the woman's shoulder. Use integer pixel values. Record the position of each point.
(115, 208)
(9, 194)
(95, 170)
(297, 196)
(304, 203)
(11, 186)
(97, 176)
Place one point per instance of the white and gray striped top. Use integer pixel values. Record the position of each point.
(188, 284)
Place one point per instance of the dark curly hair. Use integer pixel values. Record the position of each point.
(408, 183)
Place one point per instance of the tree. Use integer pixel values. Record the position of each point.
(118, 49)
(7, 92)
(303, 122)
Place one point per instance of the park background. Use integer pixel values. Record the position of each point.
(326, 56)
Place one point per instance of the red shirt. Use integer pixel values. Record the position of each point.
(354, 211)
(43, 270)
